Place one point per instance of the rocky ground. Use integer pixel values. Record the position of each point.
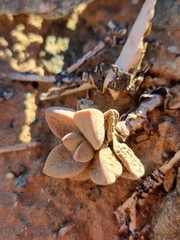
(35, 206)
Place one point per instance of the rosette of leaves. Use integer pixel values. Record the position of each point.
(89, 147)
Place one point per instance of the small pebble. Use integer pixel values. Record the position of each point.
(6, 95)
(9, 176)
(98, 190)
(20, 182)
(42, 190)
(172, 49)
(9, 95)
(169, 119)
(16, 195)
(152, 59)
(77, 207)
(16, 204)
(174, 66)
(135, 1)
(165, 155)
(2, 94)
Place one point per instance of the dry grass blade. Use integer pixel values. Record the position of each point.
(19, 147)
(27, 77)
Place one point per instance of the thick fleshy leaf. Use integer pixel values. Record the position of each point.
(84, 175)
(91, 124)
(60, 163)
(72, 140)
(60, 121)
(130, 161)
(105, 168)
(84, 152)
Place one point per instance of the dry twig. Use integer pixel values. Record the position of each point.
(135, 120)
(27, 77)
(142, 192)
(19, 147)
(134, 48)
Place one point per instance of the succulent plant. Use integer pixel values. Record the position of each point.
(89, 147)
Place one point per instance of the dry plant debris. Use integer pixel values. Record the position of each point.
(129, 209)
(139, 118)
(133, 52)
(19, 147)
(89, 148)
(126, 74)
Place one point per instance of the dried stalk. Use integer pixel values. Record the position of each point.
(19, 147)
(109, 39)
(149, 184)
(66, 89)
(27, 77)
(134, 48)
(135, 120)
(164, 169)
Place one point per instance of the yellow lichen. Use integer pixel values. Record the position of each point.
(73, 20)
(35, 38)
(55, 64)
(28, 66)
(3, 42)
(35, 21)
(56, 45)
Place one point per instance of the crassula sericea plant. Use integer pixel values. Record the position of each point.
(89, 148)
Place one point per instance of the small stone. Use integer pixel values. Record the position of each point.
(152, 59)
(174, 66)
(77, 207)
(10, 176)
(2, 94)
(66, 229)
(165, 155)
(16, 195)
(9, 95)
(135, 1)
(20, 182)
(98, 190)
(172, 49)
(169, 119)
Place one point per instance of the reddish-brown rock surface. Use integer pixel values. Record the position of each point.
(34, 206)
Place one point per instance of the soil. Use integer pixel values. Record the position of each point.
(35, 206)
